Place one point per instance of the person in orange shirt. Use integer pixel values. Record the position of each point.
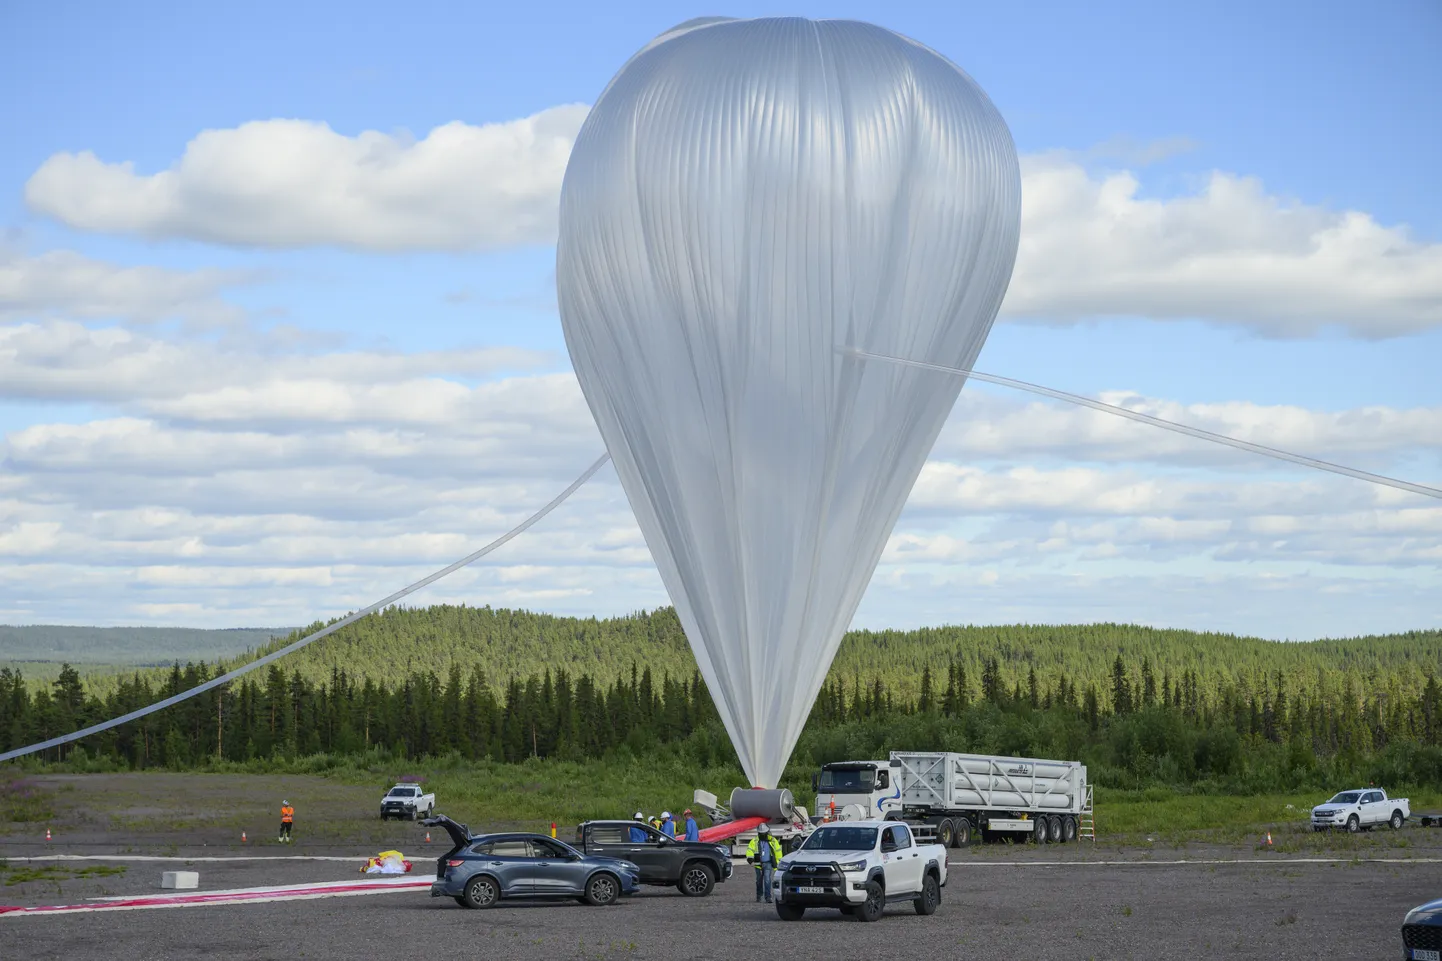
(287, 818)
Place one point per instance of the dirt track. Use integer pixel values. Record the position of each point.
(999, 904)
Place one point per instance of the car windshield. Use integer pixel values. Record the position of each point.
(847, 780)
(835, 838)
(403, 792)
(1346, 797)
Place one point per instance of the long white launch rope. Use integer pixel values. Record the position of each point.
(1141, 418)
(328, 629)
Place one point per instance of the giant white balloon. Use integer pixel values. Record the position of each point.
(745, 198)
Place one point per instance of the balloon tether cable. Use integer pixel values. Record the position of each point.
(1141, 418)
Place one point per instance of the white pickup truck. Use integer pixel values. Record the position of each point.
(859, 867)
(1361, 808)
(407, 801)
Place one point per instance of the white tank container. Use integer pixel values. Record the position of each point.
(945, 781)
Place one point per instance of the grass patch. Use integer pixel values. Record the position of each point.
(1172, 815)
(22, 874)
(22, 800)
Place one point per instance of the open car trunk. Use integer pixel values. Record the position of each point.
(460, 836)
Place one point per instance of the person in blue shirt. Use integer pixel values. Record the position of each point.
(693, 833)
(639, 835)
(668, 826)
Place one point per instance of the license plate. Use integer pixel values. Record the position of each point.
(823, 891)
(1422, 954)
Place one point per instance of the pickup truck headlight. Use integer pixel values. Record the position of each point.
(854, 866)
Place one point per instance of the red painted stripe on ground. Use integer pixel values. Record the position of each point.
(283, 893)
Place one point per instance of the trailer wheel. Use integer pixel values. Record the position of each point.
(1053, 829)
(945, 833)
(1039, 833)
(1068, 829)
(961, 832)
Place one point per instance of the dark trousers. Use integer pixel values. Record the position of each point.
(763, 882)
(285, 829)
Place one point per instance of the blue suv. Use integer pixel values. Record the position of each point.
(481, 870)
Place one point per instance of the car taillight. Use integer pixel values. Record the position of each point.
(454, 863)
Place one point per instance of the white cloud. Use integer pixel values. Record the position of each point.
(1231, 253)
(204, 500)
(64, 360)
(1092, 244)
(292, 183)
(986, 424)
(64, 282)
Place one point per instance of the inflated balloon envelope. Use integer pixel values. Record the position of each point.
(746, 199)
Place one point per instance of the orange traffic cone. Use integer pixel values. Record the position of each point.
(47, 834)
(1269, 839)
(242, 837)
(428, 837)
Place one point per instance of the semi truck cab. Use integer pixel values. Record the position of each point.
(854, 790)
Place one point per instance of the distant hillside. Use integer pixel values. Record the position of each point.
(506, 643)
(40, 649)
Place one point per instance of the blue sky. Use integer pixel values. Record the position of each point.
(1329, 107)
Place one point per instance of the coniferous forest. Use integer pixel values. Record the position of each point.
(1141, 707)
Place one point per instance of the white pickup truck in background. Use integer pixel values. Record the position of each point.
(1361, 808)
(407, 801)
(859, 867)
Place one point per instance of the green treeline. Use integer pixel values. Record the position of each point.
(1137, 726)
(389, 646)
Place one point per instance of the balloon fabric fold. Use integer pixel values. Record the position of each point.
(746, 197)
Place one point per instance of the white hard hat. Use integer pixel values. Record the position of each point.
(665, 815)
(763, 829)
(640, 816)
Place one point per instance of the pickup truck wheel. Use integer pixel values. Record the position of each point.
(789, 912)
(1396, 821)
(1353, 825)
(697, 880)
(946, 832)
(602, 889)
(929, 897)
(875, 903)
(480, 893)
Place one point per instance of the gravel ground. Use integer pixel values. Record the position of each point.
(1000, 903)
(1345, 911)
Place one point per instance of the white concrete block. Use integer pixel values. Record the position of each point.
(180, 880)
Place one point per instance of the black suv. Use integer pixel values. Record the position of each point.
(693, 867)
